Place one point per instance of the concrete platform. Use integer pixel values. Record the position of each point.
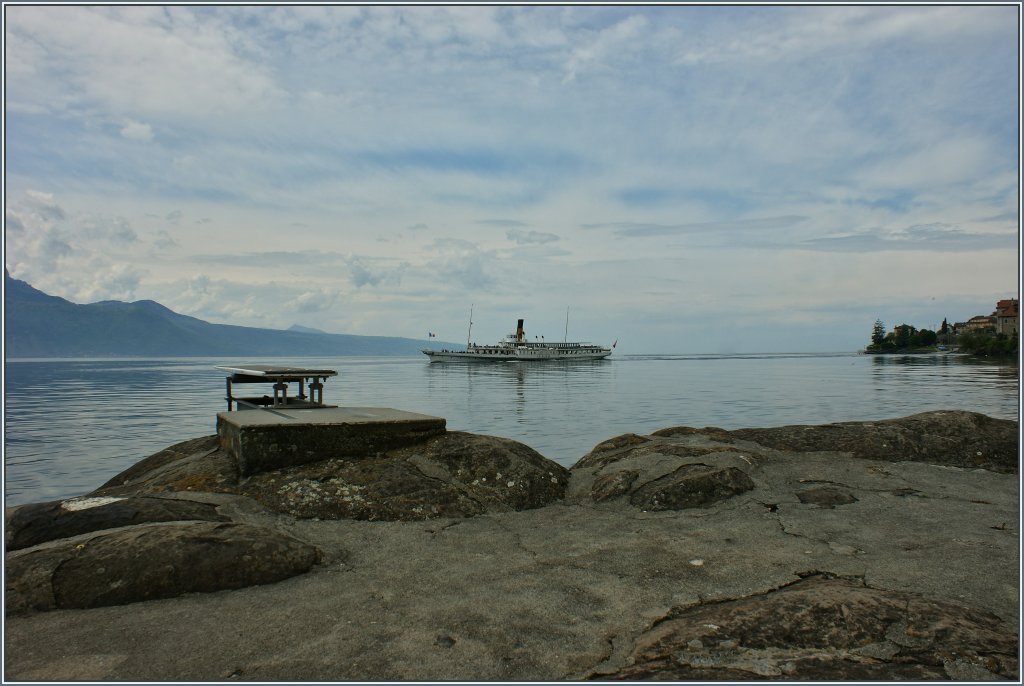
(266, 439)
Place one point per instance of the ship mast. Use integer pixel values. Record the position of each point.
(566, 339)
(470, 332)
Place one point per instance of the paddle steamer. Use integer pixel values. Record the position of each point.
(515, 346)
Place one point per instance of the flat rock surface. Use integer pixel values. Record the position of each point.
(908, 569)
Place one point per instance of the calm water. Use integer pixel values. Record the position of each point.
(72, 424)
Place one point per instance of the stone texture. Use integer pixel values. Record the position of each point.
(195, 465)
(35, 523)
(613, 484)
(148, 562)
(824, 629)
(956, 438)
(692, 485)
(825, 496)
(663, 472)
(259, 444)
(608, 451)
(453, 475)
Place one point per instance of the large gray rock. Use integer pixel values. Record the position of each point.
(683, 466)
(949, 437)
(662, 472)
(453, 475)
(150, 561)
(198, 464)
(824, 629)
(34, 523)
(692, 485)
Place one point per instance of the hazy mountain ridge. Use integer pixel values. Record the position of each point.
(40, 325)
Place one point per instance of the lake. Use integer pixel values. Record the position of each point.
(71, 425)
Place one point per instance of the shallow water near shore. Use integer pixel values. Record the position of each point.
(71, 425)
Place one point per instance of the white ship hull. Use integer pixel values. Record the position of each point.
(499, 354)
(516, 347)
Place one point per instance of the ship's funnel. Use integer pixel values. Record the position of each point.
(519, 332)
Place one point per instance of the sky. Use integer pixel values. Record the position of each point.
(680, 179)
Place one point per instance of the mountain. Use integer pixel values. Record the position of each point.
(41, 325)
(304, 329)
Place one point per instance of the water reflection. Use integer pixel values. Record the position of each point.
(493, 389)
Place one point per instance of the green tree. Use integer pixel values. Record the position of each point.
(986, 344)
(903, 334)
(878, 332)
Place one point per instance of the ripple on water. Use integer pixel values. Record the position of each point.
(70, 425)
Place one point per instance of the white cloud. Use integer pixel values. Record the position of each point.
(137, 131)
(950, 160)
(131, 60)
(319, 300)
(595, 51)
(530, 237)
(361, 275)
(112, 282)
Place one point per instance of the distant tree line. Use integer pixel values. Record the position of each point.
(902, 338)
(905, 338)
(986, 344)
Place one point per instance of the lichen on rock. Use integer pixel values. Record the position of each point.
(692, 485)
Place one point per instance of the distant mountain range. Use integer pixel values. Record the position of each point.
(41, 325)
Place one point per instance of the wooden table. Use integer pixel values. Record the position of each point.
(280, 377)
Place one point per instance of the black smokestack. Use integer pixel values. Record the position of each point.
(519, 332)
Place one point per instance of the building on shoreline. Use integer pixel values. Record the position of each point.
(975, 324)
(1004, 320)
(1007, 317)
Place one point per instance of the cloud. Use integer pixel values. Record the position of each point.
(798, 34)
(115, 282)
(633, 230)
(530, 237)
(36, 242)
(102, 227)
(272, 259)
(319, 300)
(502, 222)
(43, 206)
(461, 263)
(133, 60)
(164, 240)
(467, 271)
(221, 300)
(597, 49)
(360, 275)
(933, 164)
(936, 237)
(137, 131)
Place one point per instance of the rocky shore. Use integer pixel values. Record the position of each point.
(880, 550)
